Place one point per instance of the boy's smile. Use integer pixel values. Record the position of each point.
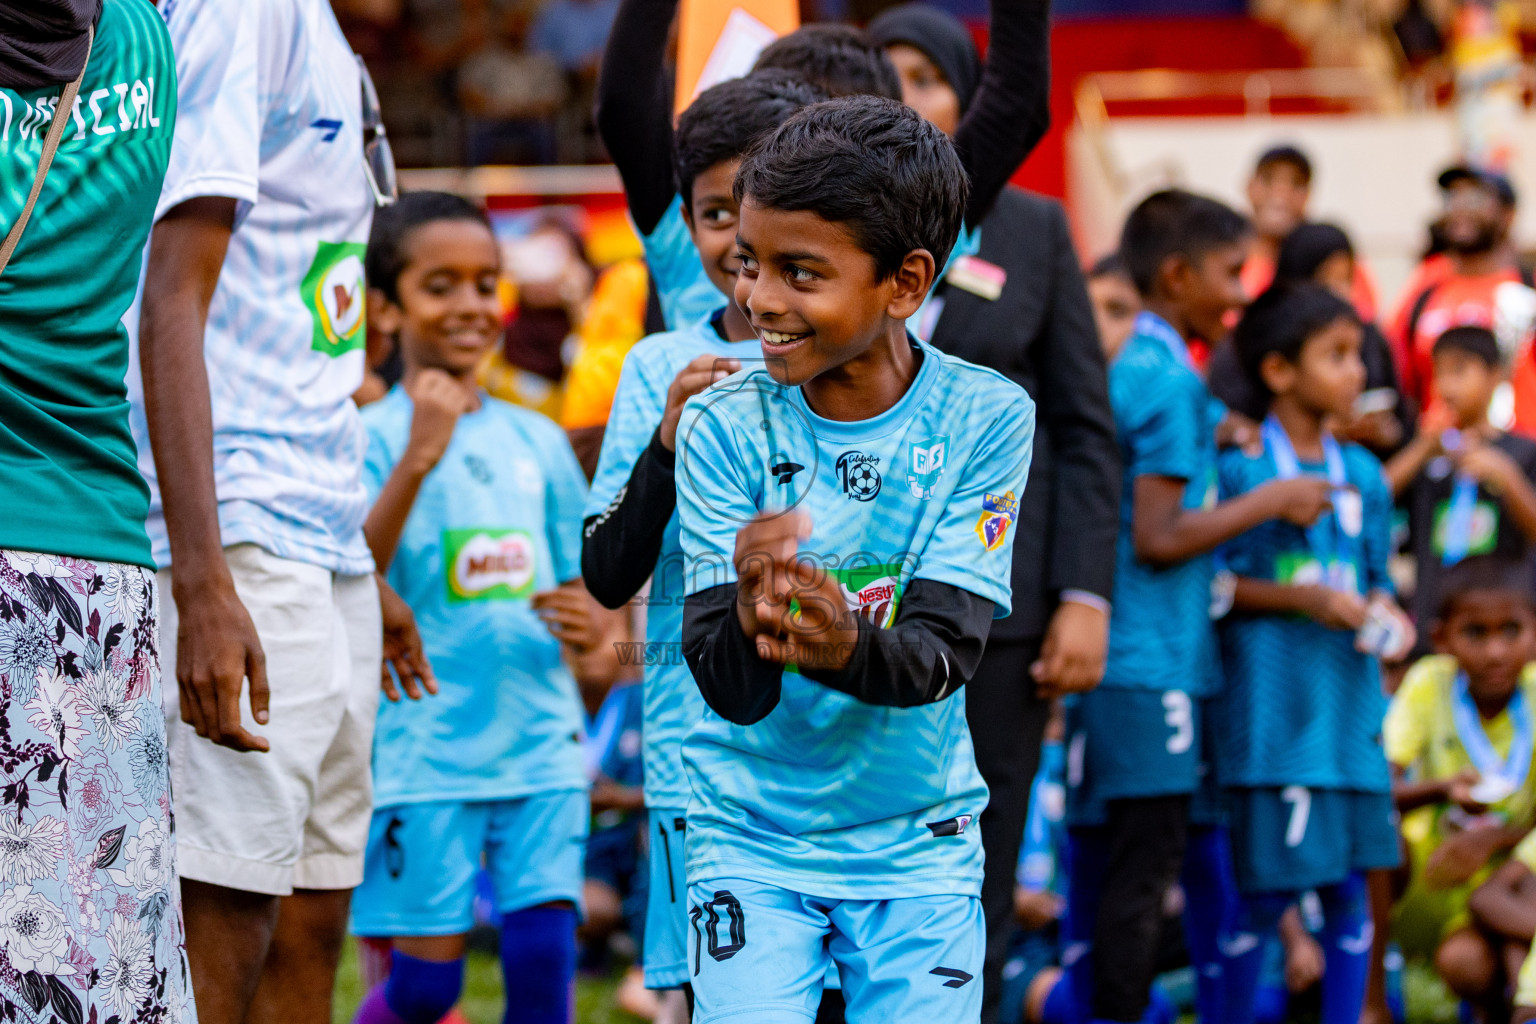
(448, 314)
(813, 297)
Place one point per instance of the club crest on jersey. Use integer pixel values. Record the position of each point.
(998, 512)
(488, 565)
(925, 465)
(859, 475)
(337, 298)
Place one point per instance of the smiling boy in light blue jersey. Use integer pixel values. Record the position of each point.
(846, 527)
(476, 520)
(631, 529)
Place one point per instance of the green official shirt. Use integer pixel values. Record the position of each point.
(68, 467)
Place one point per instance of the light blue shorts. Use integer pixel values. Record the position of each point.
(419, 869)
(761, 954)
(666, 911)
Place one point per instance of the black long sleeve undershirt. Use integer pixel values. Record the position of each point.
(634, 107)
(929, 652)
(620, 545)
(1012, 107)
(1006, 120)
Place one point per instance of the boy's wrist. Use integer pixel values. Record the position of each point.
(417, 462)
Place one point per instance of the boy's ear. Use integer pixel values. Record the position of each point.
(1277, 372)
(384, 316)
(911, 283)
(1437, 636)
(1173, 276)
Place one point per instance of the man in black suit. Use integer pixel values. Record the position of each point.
(1020, 306)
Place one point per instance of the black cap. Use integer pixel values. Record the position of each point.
(1495, 182)
(1286, 154)
(939, 35)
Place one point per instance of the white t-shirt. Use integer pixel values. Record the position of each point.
(271, 115)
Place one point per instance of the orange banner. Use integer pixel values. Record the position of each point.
(720, 39)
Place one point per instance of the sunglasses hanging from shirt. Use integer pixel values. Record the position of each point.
(61, 112)
(378, 158)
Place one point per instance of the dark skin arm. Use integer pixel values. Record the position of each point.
(608, 795)
(1335, 609)
(402, 648)
(439, 402)
(1463, 855)
(1165, 533)
(1506, 904)
(1501, 475)
(216, 643)
(1411, 795)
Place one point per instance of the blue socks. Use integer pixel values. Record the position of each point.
(416, 992)
(1210, 913)
(1061, 1006)
(1346, 938)
(1243, 951)
(538, 961)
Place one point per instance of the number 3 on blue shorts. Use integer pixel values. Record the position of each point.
(1178, 714)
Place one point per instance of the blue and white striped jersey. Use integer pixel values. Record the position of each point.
(271, 116)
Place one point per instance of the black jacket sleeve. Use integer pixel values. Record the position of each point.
(1012, 107)
(1074, 405)
(634, 107)
(620, 545)
(929, 652)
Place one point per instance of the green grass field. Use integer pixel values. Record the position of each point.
(1428, 1002)
(482, 1000)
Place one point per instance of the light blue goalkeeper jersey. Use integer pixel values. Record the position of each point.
(672, 701)
(827, 795)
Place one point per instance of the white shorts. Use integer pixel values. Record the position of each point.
(296, 816)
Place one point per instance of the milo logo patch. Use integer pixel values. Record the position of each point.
(488, 565)
(335, 291)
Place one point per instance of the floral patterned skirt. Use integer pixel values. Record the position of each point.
(90, 905)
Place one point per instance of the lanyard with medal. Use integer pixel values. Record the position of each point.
(1329, 536)
(1457, 536)
(1498, 778)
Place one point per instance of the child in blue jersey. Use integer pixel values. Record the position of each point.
(1135, 744)
(631, 529)
(1298, 737)
(476, 519)
(846, 520)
